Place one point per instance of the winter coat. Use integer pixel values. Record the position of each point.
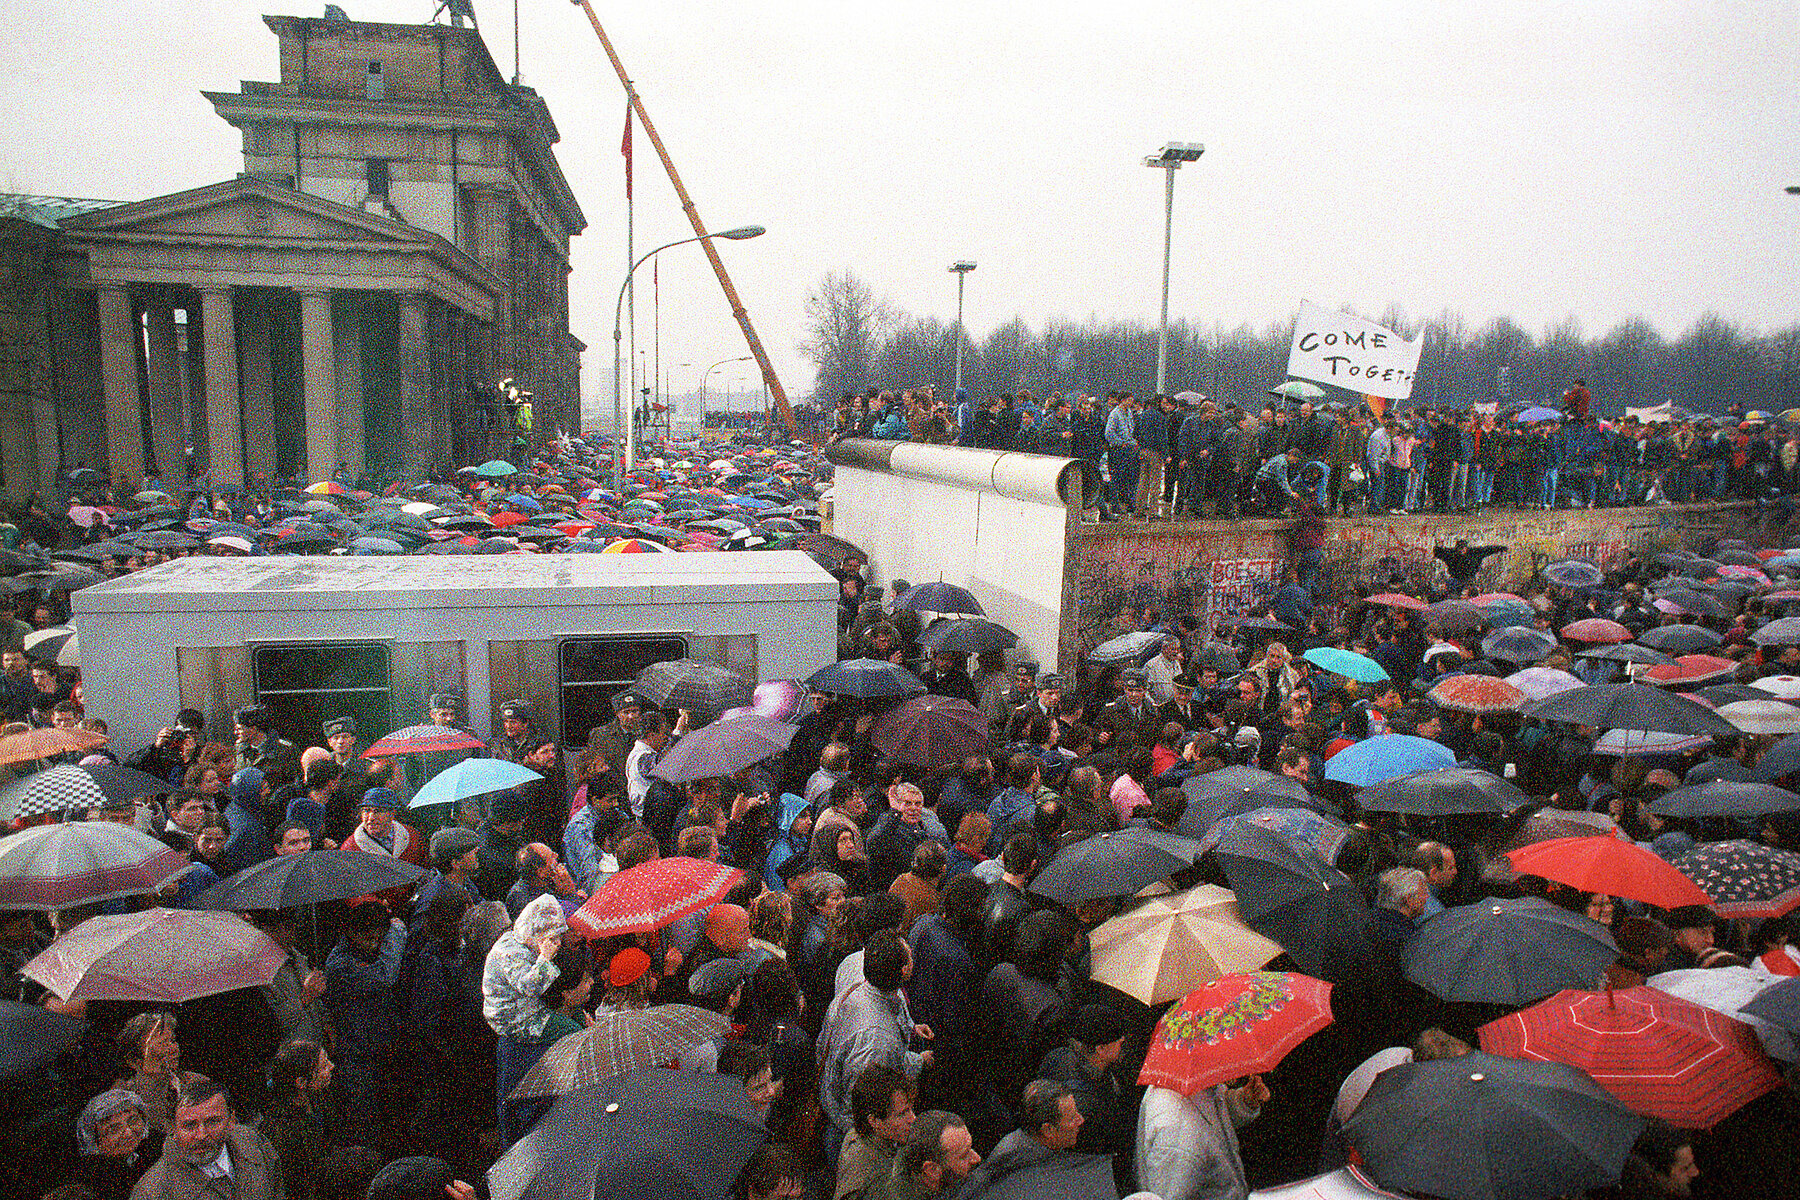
(1187, 1147)
(255, 1173)
(862, 1028)
(514, 978)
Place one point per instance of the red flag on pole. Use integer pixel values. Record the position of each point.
(625, 149)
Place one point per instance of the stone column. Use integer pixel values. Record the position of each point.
(258, 385)
(319, 394)
(224, 419)
(491, 213)
(168, 428)
(119, 376)
(415, 385)
(47, 437)
(346, 328)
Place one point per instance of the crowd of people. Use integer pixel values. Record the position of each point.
(906, 995)
(1185, 455)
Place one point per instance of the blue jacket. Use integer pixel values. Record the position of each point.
(1120, 429)
(359, 995)
(1010, 806)
(892, 425)
(786, 844)
(247, 843)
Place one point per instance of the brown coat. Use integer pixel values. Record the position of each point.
(255, 1173)
(920, 896)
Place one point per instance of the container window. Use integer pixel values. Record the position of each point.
(591, 670)
(305, 685)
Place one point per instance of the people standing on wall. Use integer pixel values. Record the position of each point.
(1349, 442)
(1150, 429)
(1376, 453)
(1122, 453)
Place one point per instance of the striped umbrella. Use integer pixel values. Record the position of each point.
(424, 739)
(59, 866)
(652, 895)
(636, 546)
(160, 955)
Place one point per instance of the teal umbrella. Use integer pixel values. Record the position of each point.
(496, 469)
(1295, 389)
(1348, 663)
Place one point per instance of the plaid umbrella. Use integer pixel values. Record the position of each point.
(1745, 878)
(618, 1042)
(59, 866)
(692, 685)
(866, 679)
(939, 597)
(724, 748)
(1596, 631)
(34, 744)
(424, 739)
(1476, 694)
(1508, 951)
(1608, 866)
(1441, 793)
(1517, 644)
(1573, 573)
(971, 635)
(1538, 682)
(162, 955)
(1661, 1056)
(1679, 639)
(290, 880)
(652, 895)
(931, 731)
(1232, 1026)
(1163, 947)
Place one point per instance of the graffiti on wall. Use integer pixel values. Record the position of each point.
(1235, 585)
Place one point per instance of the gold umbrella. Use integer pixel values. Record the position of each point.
(1170, 945)
(42, 743)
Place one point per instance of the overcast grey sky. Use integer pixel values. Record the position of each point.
(1530, 159)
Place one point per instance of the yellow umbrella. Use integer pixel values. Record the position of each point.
(1170, 945)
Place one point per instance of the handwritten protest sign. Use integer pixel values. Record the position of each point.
(1336, 348)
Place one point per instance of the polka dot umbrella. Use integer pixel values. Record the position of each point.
(652, 895)
(1745, 878)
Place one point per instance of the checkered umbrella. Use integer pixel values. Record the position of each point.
(652, 895)
(424, 739)
(62, 788)
(59, 866)
(162, 955)
(618, 1042)
(695, 686)
(1745, 878)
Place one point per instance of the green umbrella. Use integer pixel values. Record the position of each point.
(1295, 389)
(496, 469)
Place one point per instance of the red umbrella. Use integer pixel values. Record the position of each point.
(502, 519)
(1396, 600)
(162, 955)
(424, 739)
(930, 731)
(1690, 669)
(1661, 1056)
(1609, 866)
(1235, 1025)
(1476, 694)
(652, 895)
(1597, 631)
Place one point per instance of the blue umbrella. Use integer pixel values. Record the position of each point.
(495, 469)
(1359, 667)
(471, 777)
(1387, 757)
(1539, 414)
(525, 502)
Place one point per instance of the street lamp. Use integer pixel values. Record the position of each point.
(709, 371)
(1169, 160)
(736, 235)
(960, 268)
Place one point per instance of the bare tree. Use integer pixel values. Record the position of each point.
(846, 324)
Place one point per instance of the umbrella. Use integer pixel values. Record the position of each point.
(424, 739)
(1721, 694)
(619, 1041)
(1113, 863)
(1508, 951)
(1573, 573)
(1311, 909)
(34, 744)
(160, 955)
(1345, 1183)
(1233, 1026)
(972, 635)
(1778, 1004)
(1503, 611)
(1627, 653)
(1679, 639)
(42, 644)
(672, 1135)
(1688, 600)
(495, 469)
(1128, 647)
(1783, 632)
(1661, 1056)
(1397, 600)
(1295, 389)
(1538, 682)
(1744, 878)
(694, 686)
(1482, 1127)
(1689, 669)
(1442, 793)
(1163, 947)
(1640, 741)
(471, 777)
(1782, 687)
(1538, 413)
(1348, 663)
(939, 597)
(1476, 694)
(290, 880)
(1596, 631)
(1232, 790)
(1628, 706)
(31, 1036)
(1268, 623)
(329, 487)
(1307, 831)
(1452, 616)
(1731, 991)
(633, 546)
(1762, 716)
(652, 895)
(934, 731)
(1386, 756)
(1725, 798)
(60, 866)
(1608, 866)
(724, 748)
(62, 788)
(866, 679)
(1518, 644)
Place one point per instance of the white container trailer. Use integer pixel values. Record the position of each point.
(375, 637)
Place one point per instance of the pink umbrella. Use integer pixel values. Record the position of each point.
(59, 866)
(161, 955)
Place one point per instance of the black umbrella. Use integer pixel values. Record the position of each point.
(967, 635)
(725, 748)
(1720, 694)
(1508, 951)
(1679, 639)
(1690, 600)
(1518, 644)
(1314, 911)
(939, 597)
(1481, 1127)
(866, 679)
(695, 686)
(1778, 1004)
(1451, 616)
(1725, 798)
(1628, 653)
(290, 880)
(125, 783)
(1630, 706)
(1233, 790)
(31, 1036)
(1268, 623)
(650, 1134)
(1119, 863)
(1063, 1176)
(1442, 793)
(1783, 758)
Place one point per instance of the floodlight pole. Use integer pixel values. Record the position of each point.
(1169, 159)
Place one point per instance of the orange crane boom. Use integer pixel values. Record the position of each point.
(738, 312)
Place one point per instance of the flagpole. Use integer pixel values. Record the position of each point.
(656, 327)
(624, 437)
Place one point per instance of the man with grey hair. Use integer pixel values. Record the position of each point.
(1160, 672)
(1400, 898)
(1049, 1123)
(936, 1157)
